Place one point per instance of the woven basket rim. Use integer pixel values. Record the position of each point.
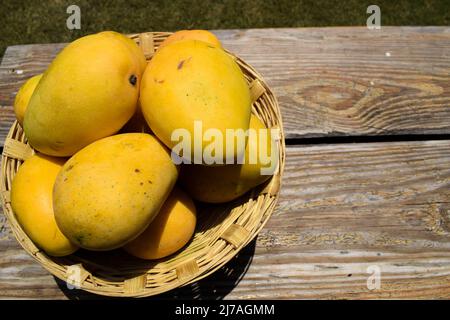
(214, 244)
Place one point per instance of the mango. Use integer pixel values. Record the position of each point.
(109, 192)
(201, 35)
(172, 228)
(31, 201)
(89, 91)
(191, 83)
(23, 97)
(131, 45)
(218, 184)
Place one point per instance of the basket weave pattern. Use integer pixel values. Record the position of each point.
(222, 230)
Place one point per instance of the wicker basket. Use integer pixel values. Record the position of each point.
(222, 230)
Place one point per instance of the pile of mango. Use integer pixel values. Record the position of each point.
(101, 119)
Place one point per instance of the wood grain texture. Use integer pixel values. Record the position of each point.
(353, 81)
(343, 208)
(329, 81)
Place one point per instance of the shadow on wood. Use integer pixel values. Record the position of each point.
(214, 287)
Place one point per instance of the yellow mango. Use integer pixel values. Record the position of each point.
(191, 82)
(131, 45)
(31, 201)
(217, 184)
(172, 228)
(23, 97)
(89, 91)
(109, 192)
(201, 35)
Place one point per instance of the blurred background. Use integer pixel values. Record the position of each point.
(44, 21)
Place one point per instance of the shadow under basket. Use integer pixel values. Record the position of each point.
(222, 230)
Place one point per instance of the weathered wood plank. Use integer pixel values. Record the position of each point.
(353, 81)
(343, 208)
(329, 81)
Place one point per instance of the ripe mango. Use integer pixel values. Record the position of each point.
(201, 35)
(89, 91)
(191, 81)
(131, 45)
(217, 184)
(109, 192)
(172, 228)
(23, 97)
(31, 201)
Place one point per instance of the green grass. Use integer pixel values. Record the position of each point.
(35, 21)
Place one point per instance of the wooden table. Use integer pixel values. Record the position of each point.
(367, 179)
